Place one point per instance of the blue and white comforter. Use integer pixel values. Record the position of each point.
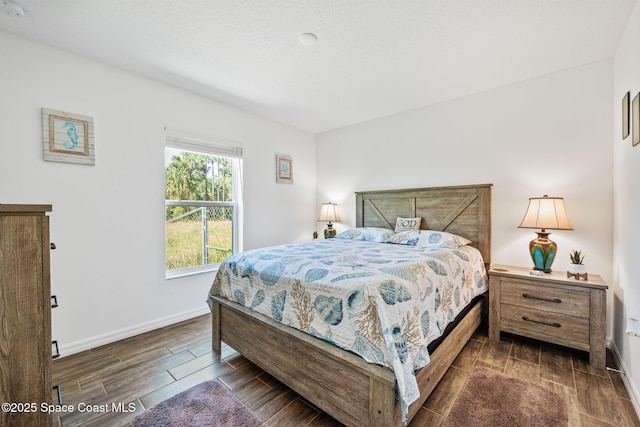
(382, 301)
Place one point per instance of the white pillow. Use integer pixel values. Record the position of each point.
(371, 234)
(403, 224)
(428, 239)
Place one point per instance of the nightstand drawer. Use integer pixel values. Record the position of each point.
(551, 299)
(558, 325)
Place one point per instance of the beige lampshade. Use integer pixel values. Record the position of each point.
(329, 212)
(546, 213)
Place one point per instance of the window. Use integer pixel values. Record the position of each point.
(202, 204)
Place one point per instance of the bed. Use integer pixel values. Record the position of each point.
(339, 381)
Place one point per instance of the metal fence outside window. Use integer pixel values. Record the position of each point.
(199, 236)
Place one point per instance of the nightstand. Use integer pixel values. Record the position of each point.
(551, 308)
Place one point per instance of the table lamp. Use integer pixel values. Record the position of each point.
(329, 212)
(545, 213)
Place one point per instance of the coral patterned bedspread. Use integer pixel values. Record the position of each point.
(382, 301)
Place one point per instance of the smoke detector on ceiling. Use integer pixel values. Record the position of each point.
(308, 39)
(11, 8)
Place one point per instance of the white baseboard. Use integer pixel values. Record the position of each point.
(630, 386)
(108, 338)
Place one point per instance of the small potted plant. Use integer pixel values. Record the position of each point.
(576, 265)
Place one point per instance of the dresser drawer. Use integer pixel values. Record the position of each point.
(545, 298)
(561, 327)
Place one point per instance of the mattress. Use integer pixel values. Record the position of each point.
(384, 302)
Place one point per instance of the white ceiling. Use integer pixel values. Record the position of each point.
(373, 57)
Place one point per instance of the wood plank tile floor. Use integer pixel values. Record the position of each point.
(109, 385)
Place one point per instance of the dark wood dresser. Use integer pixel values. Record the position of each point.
(25, 315)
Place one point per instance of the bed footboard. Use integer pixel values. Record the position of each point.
(351, 390)
(354, 392)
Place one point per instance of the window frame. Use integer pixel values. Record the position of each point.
(215, 148)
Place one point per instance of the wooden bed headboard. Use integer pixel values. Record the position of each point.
(462, 210)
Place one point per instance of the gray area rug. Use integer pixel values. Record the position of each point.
(490, 398)
(206, 404)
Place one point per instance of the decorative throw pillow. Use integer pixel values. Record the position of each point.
(371, 234)
(428, 239)
(403, 224)
(409, 237)
(440, 239)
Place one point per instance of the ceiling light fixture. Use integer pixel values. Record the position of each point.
(308, 39)
(11, 8)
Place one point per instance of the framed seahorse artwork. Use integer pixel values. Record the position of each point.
(284, 169)
(67, 137)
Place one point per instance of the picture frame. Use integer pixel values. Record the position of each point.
(635, 120)
(284, 169)
(625, 115)
(67, 137)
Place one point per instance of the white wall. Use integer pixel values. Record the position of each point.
(626, 267)
(549, 135)
(108, 219)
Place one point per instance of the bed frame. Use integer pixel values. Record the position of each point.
(355, 392)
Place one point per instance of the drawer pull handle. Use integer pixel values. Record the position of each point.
(59, 393)
(556, 300)
(54, 343)
(528, 319)
(54, 298)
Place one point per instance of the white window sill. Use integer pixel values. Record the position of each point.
(184, 272)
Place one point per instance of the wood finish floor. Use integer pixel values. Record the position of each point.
(148, 368)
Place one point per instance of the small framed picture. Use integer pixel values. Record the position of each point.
(284, 169)
(625, 115)
(635, 120)
(67, 137)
